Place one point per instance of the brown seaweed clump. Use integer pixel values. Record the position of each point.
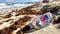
(17, 24)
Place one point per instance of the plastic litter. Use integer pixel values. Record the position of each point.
(39, 22)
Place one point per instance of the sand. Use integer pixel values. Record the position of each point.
(51, 29)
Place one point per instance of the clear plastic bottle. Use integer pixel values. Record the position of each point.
(39, 22)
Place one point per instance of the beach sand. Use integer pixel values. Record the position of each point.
(51, 29)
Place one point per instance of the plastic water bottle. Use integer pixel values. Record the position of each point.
(38, 22)
(42, 21)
